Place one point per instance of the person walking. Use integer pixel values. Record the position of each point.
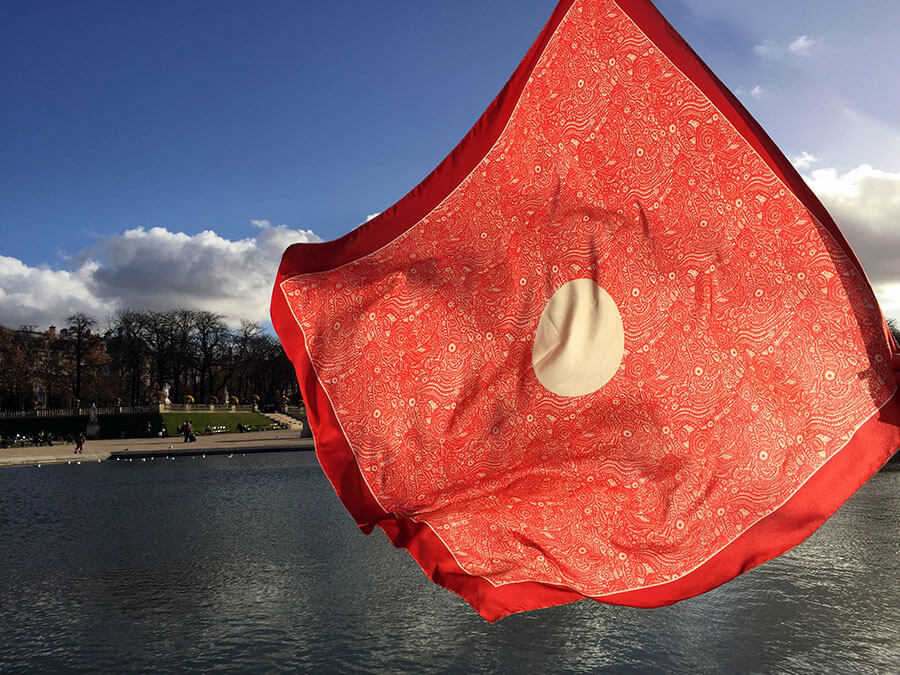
(79, 443)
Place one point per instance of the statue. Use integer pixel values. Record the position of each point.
(226, 395)
(166, 394)
(93, 413)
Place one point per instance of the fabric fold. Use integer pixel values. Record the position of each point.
(753, 390)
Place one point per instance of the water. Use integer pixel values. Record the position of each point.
(250, 564)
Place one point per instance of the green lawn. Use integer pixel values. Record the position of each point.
(228, 420)
(129, 425)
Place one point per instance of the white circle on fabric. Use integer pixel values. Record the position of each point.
(579, 342)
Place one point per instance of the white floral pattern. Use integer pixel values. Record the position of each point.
(753, 346)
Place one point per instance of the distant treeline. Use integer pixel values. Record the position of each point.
(134, 358)
(138, 354)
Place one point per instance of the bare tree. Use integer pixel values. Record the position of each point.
(183, 352)
(78, 336)
(158, 332)
(19, 364)
(241, 365)
(50, 358)
(128, 352)
(211, 337)
(192, 350)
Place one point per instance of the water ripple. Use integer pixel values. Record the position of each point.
(251, 565)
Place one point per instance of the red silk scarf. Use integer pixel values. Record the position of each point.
(612, 347)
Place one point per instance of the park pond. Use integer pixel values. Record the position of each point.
(250, 564)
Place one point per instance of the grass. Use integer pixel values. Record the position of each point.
(130, 425)
(200, 420)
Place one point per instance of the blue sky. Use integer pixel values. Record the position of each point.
(157, 154)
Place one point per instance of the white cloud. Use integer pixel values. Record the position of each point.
(41, 296)
(804, 160)
(757, 92)
(159, 269)
(865, 203)
(889, 299)
(152, 269)
(372, 215)
(801, 45)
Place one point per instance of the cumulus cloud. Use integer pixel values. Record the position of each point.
(865, 203)
(152, 269)
(757, 92)
(160, 269)
(41, 296)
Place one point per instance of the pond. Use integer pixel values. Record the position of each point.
(250, 564)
